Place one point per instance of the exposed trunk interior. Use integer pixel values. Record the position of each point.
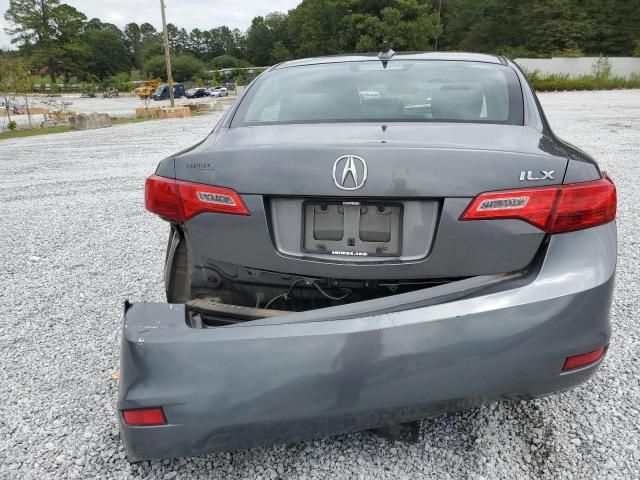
(242, 302)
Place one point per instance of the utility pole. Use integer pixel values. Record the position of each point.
(167, 54)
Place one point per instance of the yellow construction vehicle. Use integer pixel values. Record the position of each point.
(146, 88)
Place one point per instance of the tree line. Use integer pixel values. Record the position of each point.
(60, 39)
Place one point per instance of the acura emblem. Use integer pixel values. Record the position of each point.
(349, 172)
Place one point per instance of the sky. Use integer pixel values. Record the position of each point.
(204, 14)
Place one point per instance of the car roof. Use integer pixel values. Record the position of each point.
(452, 56)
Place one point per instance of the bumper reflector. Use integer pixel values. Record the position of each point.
(144, 417)
(584, 359)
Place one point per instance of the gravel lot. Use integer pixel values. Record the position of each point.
(120, 107)
(77, 242)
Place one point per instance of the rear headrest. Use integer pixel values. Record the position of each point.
(383, 108)
(456, 102)
(320, 106)
(305, 106)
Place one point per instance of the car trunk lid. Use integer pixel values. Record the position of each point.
(423, 176)
(435, 161)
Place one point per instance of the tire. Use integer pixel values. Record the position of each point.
(176, 275)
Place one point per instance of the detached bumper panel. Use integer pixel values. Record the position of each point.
(298, 376)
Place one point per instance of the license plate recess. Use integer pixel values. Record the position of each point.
(352, 228)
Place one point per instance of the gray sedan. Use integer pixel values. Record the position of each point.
(218, 92)
(365, 241)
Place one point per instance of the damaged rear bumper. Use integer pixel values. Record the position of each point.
(360, 366)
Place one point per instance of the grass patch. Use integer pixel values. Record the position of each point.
(32, 132)
(550, 83)
(124, 121)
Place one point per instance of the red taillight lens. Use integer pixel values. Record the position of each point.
(584, 205)
(179, 201)
(161, 197)
(564, 208)
(584, 359)
(144, 417)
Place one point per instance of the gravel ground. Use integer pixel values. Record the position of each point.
(120, 107)
(77, 241)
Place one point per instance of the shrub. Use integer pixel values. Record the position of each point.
(601, 71)
(555, 82)
(12, 125)
(185, 67)
(227, 61)
(570, 53)
(517, 52)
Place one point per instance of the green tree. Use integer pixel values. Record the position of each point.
(73, 52)
(259, 42)
(109, 54)
(31, 20)
(615, 26)
(482, 26)
(184, 67)
(277, 22)
(279, 53)
(51, 33)
(541, 27)
(179, 39)
(22, 83)
(133, 41)
(228, 61)
(187, 67)
(151, 50)
(6, 83)
(47, 31)
(223, 41)
(320, 27)
(406, 24)
(151, 42)
(149, 34)
(155, 67)
(550, 26)
(93, 24)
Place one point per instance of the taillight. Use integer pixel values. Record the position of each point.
(144, 417)
(555, 209)
(179, 201)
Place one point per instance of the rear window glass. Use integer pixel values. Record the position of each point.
(367, 91)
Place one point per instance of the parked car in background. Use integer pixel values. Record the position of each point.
(219, 92)
(196, 93)
(162, 92)
(342, 260)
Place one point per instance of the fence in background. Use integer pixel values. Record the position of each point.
(63, 87)
(576, 67)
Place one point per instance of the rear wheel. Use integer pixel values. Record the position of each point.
(176, 274)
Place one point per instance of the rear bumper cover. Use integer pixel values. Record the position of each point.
(300, 376)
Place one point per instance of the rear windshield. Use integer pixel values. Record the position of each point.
(369, 91)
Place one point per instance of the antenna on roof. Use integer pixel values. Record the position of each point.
(386, 52)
